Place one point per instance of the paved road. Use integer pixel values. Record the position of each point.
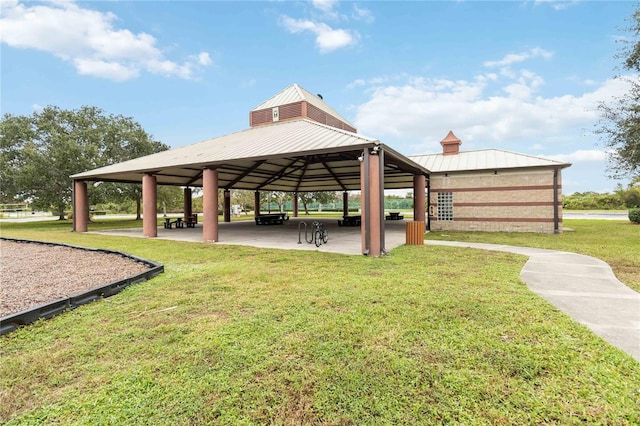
(583, 287)
(595, 215)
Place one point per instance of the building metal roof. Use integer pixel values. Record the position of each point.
(297, 155)
(296, 93)
(486, 159)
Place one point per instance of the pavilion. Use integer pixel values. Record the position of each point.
(295, 143)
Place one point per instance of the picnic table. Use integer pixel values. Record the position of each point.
(271, 219)
(394, 216)
(178, 222)
(350, 221)
(191, 221)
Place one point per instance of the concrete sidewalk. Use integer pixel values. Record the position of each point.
(583, 287)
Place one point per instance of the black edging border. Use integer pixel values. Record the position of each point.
(11, 322)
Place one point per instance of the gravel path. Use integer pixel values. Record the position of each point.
(33, 274)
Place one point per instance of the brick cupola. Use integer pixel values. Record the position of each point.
(450, 144)
(294, 103)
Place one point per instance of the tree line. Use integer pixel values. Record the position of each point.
(620, 199)
(170, 200)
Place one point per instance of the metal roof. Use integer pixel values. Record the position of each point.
(482, 160)
(296, 93)
(298, 155)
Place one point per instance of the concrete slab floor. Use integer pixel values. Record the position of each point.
(342, 239)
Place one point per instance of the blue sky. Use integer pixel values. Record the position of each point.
(524, 76)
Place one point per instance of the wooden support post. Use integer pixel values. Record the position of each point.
(256, 203)
(371, 225)
(210, 205)
(226, 209)
(188, 204)
(149, 205)
(345, 203)
(419, 185)
(80, 206)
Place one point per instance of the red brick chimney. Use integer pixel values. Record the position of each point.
(450, 144)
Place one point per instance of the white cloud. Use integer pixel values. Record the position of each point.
(37, 107)
(88, 39)
(103, 69)
(525, 85)
(204, 59)
(557, 4)
(324, 5)
(169, 68)
(362, 14)
(327, 38)
(419, 112)
(581, 156)
(248, 83)
(356, 83)
(513, 58)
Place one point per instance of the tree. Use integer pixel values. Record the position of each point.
(280, 197)
(15, 135)
(320, 197)
(40, 152)
(631, 196)
(619, 125)
(244, 198)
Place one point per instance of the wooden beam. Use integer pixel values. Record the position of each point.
(244, 174)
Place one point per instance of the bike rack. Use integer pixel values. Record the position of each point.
(300, 231)
(306, 233)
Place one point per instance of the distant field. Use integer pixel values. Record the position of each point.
(595, 211)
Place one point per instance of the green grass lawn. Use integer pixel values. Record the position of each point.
(241, 335)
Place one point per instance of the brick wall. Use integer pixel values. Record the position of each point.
(520, 201)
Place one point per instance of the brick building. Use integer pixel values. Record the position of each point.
(492, 190)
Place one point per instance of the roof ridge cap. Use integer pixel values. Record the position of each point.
(294, 85)
(299, 90)
(537, 157)
(550, 162)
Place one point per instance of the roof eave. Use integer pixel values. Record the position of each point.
(95, 174)
(405, 160)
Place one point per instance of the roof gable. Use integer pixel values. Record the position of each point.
(289, 95)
